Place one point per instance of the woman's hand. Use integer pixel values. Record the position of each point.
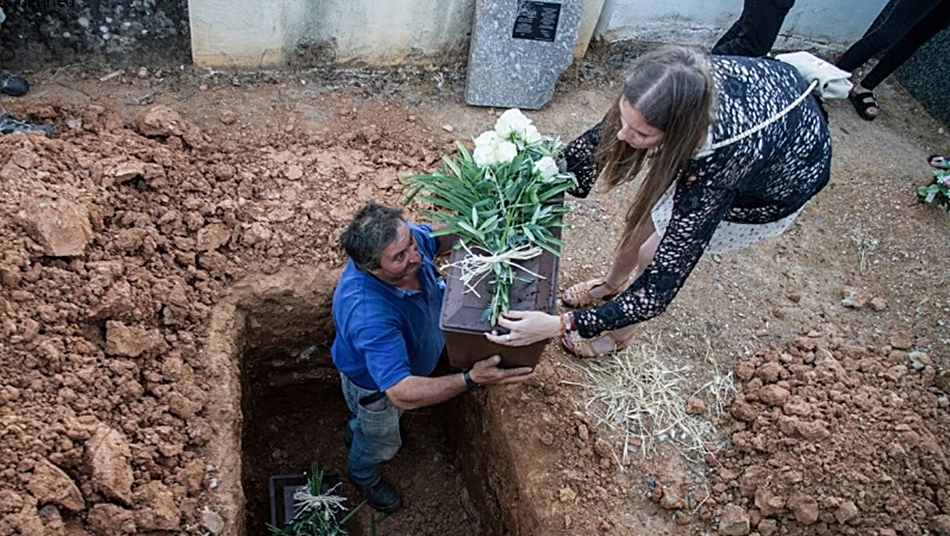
(526, 327)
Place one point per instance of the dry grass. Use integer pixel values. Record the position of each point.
(639, 396)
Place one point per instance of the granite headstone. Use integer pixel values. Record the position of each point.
(518, 51)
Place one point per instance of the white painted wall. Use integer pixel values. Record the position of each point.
(388, 31)
(231, 34)
(819, 23)
(225, 33)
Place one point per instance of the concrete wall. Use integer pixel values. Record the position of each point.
(306, 32)
(309, 32)
(320, 32)
(810, 23)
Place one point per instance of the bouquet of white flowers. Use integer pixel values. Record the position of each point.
(503, 199)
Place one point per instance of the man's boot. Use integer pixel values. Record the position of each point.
(381, 496)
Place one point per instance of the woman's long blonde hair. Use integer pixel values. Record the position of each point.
(673, 89)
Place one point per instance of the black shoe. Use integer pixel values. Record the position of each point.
(381, 496)
(13, 84)
(10, 124)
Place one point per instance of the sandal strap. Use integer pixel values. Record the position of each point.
(938, 161)
(578, 295)
(585, 347)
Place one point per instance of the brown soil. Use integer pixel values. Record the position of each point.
(166, 264)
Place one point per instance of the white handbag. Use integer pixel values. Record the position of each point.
(832, 82)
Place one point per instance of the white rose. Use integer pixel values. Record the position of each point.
(512, 122)
(531, 134)
(547, 167)
(486, 139)
(505, 152)
(484, 155)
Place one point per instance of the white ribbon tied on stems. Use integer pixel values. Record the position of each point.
(477, 267)
(327, 503)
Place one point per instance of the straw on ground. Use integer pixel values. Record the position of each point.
(639, 394)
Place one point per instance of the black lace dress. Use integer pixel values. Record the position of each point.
(760, 179)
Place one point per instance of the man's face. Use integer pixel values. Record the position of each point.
(400, 261)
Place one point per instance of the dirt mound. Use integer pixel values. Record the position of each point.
(117, 239)
(831, 437)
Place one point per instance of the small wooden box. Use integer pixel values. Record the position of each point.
(461, 318)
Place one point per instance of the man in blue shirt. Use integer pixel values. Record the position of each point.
(386, 311)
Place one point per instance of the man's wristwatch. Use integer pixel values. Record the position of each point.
(469, 382)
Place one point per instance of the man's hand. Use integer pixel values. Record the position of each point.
(486, 372)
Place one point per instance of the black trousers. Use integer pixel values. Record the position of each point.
(910, 24)
(755, 32)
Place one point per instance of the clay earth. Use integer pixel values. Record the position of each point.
(166, 267)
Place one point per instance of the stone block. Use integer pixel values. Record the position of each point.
(518, 51)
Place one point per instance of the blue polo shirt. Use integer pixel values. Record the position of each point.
(385, 334)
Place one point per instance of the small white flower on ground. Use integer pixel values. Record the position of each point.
(547, 167)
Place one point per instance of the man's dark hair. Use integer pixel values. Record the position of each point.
(371, 230)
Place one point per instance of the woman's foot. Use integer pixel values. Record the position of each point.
(589, 292)
(938, 161)
(609, 342)
(865, 103)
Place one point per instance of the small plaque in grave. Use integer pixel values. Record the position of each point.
(536, 21)
(282, 489)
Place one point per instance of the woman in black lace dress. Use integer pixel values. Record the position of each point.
(730, 149)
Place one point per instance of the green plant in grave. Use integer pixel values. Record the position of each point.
(318, 510)
(938, 191)
(502, 199)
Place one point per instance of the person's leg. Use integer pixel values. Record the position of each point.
(725, 45)
(375, 440)
(629, 259)
(862, 95)
(619, 338)
(625, 262)
(904, 15)
(755, 32)
(933, 22)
